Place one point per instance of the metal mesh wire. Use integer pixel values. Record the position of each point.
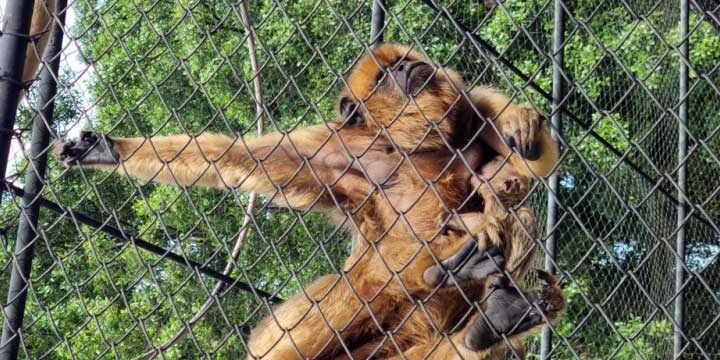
(165, 67)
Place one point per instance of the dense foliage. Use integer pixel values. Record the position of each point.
(160, 67)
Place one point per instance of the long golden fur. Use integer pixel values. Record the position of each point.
(40, 28)
(503, 189)
(390, 171)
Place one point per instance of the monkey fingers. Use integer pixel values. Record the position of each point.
(444, 221)
(491, 234)
(522, 130)
(450, 221)
(91, 149)
(468, 263)
(472, 222)
(507, 313)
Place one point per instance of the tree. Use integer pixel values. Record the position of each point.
(166, 67)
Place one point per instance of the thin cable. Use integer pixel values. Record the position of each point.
(157, 250)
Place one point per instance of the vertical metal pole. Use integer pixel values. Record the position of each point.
(682, 173)
(26, 236)
(377, 22)
(556, 119)
(13, 44)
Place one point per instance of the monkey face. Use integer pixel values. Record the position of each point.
(403, 95)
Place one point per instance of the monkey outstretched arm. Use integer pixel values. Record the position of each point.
(294, 170)
(519, 126)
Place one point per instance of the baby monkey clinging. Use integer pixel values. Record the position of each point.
(499, 233)
(503, 230)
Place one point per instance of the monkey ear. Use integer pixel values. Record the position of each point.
(349, 112)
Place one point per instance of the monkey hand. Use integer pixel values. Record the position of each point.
(90, 149)
(510, 311)
(443, 222)
(469, 263)
(491, 232)
(450, 221)
(521, 129)
(487, 229)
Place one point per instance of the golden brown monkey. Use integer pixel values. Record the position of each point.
(500, 187)
(387, 165)
(40, 28)
(499, 235)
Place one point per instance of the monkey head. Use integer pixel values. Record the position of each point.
(403, 95)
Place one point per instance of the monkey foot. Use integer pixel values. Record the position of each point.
(91, 149)
(469, 263)
(508, 313)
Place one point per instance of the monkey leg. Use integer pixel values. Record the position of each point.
(319, 322)
(514, 234)
(512, 312)
(293, 169)
(468, 263)
(508, 313)
(520, 247)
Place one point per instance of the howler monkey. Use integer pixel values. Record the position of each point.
(386, 168)
(500, 187)
(39, 34)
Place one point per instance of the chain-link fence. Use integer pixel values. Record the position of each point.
(97, 265)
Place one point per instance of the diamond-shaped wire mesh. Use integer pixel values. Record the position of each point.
(151, 68)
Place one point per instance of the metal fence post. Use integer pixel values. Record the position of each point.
(34, 174)
(681, 179)
(13, 44)
(377, 25)
(556, 119)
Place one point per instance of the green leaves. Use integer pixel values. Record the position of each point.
(163, 67)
